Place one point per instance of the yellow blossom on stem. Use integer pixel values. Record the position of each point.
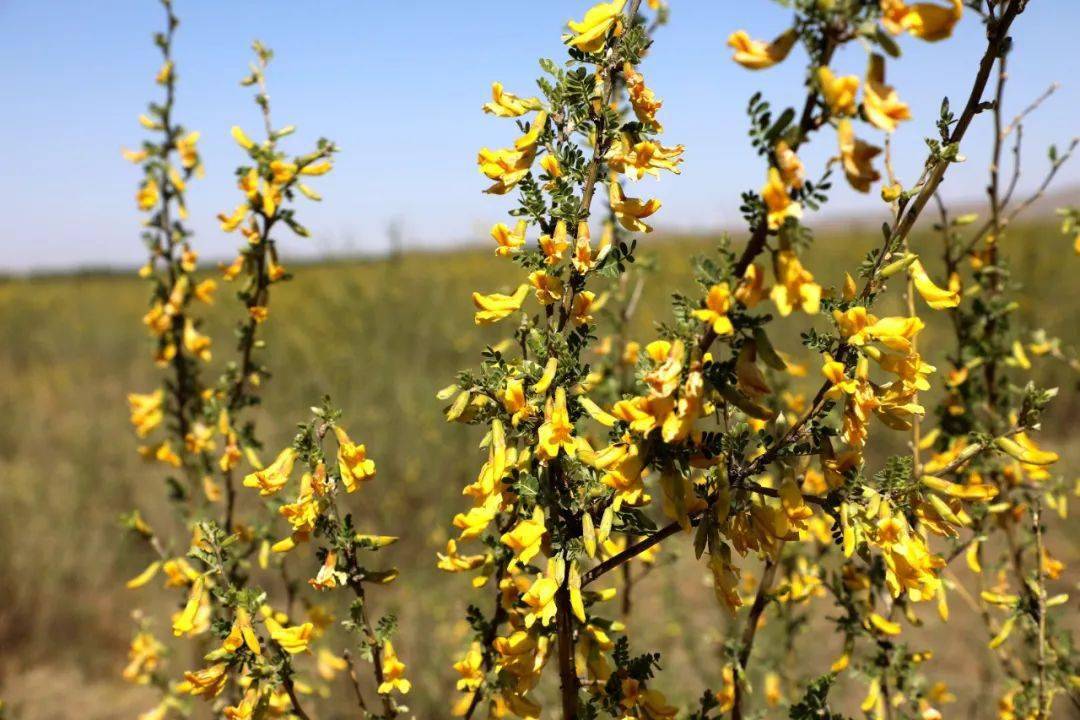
(353, 462)
(292, 640)
(839, 92)
(880, 101)
(590, 33)
(795, 288)
(644, 158)
(549, 288)
(757, 54)
(147, 411)
(505, 104)
(209, 681)
(631, 211)
(393, 672)
(936, 297)
(454, 562)
(717, 305)
(526, 537)
(554, 245)
(557, 432)
(185, 622)
(273, 477)
(508, 241)
(583, 305)
(924, 20)
(856, 157)
(148, 195)
(195, 342)
(495, 307)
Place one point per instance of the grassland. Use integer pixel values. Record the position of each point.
(380, 337)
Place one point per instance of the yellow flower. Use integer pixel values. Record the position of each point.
(134, 156)
(551, 166)
(329, 576)
(795, 288)
(229, 223)
(856, 157)
(242, 633)
(453, 562)
(642, 99)
(273, 478)
(549, 288)
(526, 537)
(557, 432)
(515, 401)
(471, 669)
(583, 305)
(936, 297)
(148, 195)
(540, 599)
(474, 522)
(752, 289)
(393, 672)
(157, 320)
(185, 146)
(554, 245)
(504, 104)
(839, 92)
(258, 313)
(282, 172)
(292, 640)
(779, 204)
(590, 33)
(509, 242)
(883, 625)
(757, 54)
(644, 157)
(353, 462)
(185, 622)
(925, 21)
(773, 694)
(505, 166)
(791, 168)
(195, 342)
(144, 656)
(148, 123)
(241, 138)
(246, 709)
(508, 166)
(209, 681)
(495, 307)
(328, 665)
(717, 304)
(631, 211)
(315, 169)
(204, 291)
(147, 411)
(880, 101)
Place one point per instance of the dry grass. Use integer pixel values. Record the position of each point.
(381, 337)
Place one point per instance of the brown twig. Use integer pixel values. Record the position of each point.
(746, 646)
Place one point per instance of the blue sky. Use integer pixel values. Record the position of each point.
(399, 87)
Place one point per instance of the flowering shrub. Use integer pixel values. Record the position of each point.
(262, 650)
(702, 416)
(598, 447)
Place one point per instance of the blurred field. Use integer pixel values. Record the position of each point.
(380, 337)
